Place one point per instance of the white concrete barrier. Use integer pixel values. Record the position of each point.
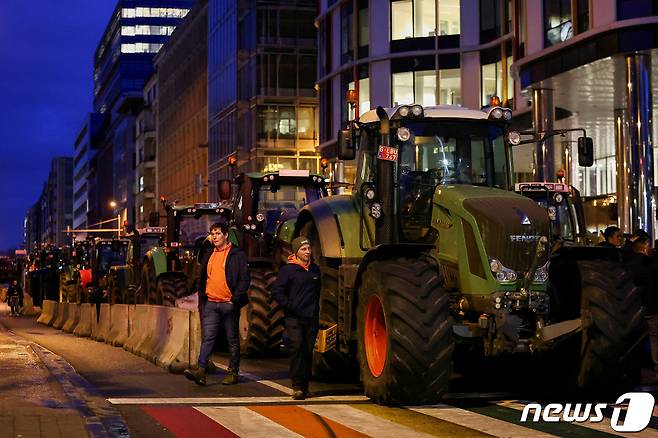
(87, 311)
(172, 350)
(48, 312)
(119, 325)
(73, 319)
(62, 315)
(138, 318)
(101, 329)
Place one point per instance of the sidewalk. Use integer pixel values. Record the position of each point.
(32, 402)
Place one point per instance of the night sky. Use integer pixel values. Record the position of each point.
(46, 86)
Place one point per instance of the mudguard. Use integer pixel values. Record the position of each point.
(158, 259)
(337, 222)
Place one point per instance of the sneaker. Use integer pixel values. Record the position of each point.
(198, 375)
(298, 395)
(231, 378)
(211, 367)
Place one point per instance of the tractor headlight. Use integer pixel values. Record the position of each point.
(514, 137)
(507, 115)
(403, 111)
(404, 134)
(497, 113)
(376, 210)
(501, 273)
(541, 274)
(370, 194)
(417, 110)
(260, 217)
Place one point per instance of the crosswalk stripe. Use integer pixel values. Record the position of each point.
(237, 401)
(245, 422)
(259, 379)
(306, 423)
(421, 423)
(363, 421)
(188, 423)
(478, 422)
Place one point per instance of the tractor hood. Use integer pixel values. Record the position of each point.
(510, 226)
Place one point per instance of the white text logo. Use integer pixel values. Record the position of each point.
(638, 412)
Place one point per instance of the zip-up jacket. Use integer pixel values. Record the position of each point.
(298, 290)
(237, 276)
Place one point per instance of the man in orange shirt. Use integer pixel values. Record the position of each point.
(223, 283)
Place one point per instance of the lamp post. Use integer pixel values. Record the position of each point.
(113, 204)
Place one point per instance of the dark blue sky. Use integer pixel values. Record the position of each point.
(46, 66)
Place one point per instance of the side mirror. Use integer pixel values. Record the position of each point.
(154, 219)
(225, 190)
(346, 146)
(585, 151)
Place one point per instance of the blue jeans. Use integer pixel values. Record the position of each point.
(212, 316)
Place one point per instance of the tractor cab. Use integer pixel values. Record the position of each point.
(264, 201)
(563, 205)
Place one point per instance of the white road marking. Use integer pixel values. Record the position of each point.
(255, 378)
(364, 422)
(479, 422)
(245, 422)
(236, 400)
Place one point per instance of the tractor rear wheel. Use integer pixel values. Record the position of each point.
(613, 325)
(261, 320)
(171, 288)
(149, 292)
(404, 332)
(331, 365)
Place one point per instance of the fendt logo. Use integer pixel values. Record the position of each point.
(638, 412)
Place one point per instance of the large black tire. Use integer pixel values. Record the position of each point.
(613, 323)
(415, 365)
(149, 294)
(261, 320)
(331, 365)
(170, 288)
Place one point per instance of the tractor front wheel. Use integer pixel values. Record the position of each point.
(613, 326)
(171, 288)
(404, 332)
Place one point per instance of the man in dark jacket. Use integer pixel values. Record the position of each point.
(222, 285)
(297, 290)
(15, 297)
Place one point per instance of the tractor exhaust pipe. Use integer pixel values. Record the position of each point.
(385, 225)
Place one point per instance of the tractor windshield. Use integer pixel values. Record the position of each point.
(453, 152)
(562, 223)
(109, 256)
(281, 203)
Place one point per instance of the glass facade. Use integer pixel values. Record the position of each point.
(262, 68)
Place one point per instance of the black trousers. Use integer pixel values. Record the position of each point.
(301, 334)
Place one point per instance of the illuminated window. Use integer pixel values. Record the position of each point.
(141, 183)
(364, 94)
(154, 12)
(417, 18)
(140, 48)
(420, 87)
(147, 30)
(492, 81)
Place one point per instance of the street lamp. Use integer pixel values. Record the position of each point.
(113, 204)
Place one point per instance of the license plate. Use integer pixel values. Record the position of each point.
(387, 153)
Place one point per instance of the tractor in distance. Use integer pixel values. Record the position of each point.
(105, 253)
(169, 271)
(76, 272)
(432, 251)
(265, 208)
(123, 280)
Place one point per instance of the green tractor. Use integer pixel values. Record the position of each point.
(265, 209)
(432, 251)
(123, 281)
(76, 272)
(168, 272)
